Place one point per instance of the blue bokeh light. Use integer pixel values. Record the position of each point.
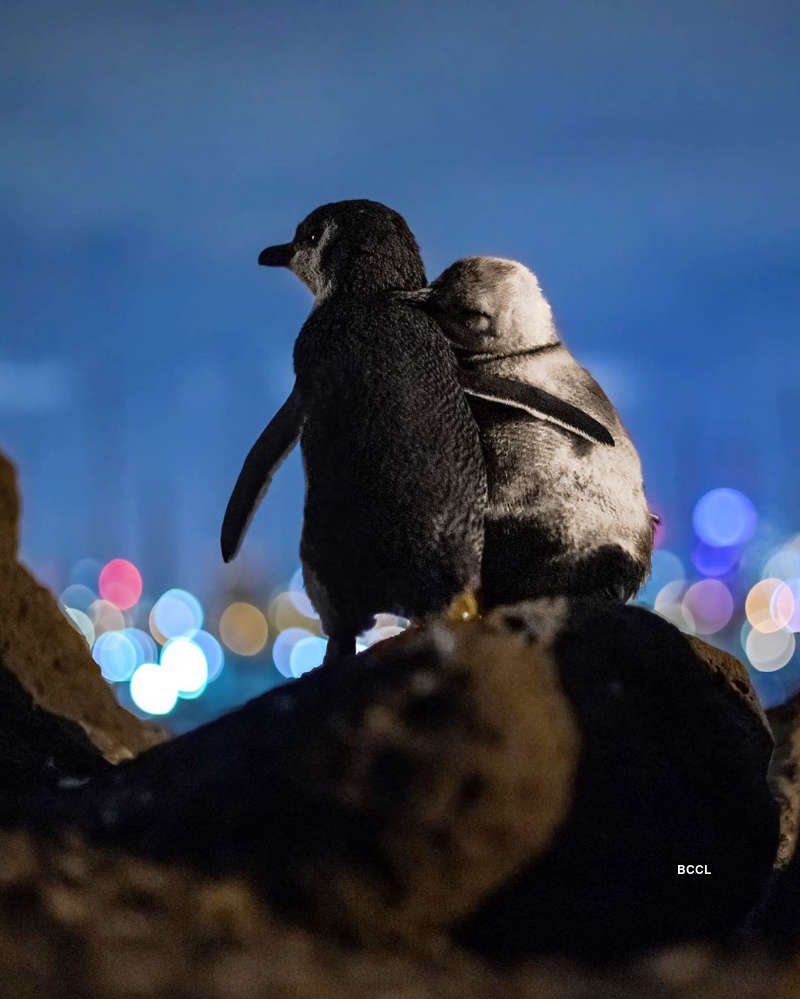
(146, 648)
(724, 517)
(186, 664)
(713, 560)
(212, 650)
(177, 613)
(283, 646)
(78, 596)
(667, 568)
(116, 655)
(307, 654)
(85, 572)
(153, 689)
(299, 597)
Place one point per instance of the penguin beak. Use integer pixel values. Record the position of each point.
(276, 256)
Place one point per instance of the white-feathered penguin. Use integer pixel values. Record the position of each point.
(395, 477)
(567, 512)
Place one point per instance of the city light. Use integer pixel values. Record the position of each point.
(176, 613)
(709, 605)
(186, 665)
(212, 650)
(724, 517)
(120, 583)
(282, 649)
(116, 655)
(740, 588)
(153, 689)
(307, 654)
(82, 622)
(243, 628)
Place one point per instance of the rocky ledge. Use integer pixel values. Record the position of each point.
(466, 809)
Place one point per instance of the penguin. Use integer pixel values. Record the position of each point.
(395, 477)
(567, 512)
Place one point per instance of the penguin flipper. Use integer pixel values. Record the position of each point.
(260, 465)
(536, 402)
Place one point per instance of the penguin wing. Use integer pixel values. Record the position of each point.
(536, 402)
(260, 465)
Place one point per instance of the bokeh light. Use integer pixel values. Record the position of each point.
(153, 689)
(284, 613)
(82, 622)
(212, 650)
(709, 605)
(243, 628)
(714, 560)
(783, 564)
(769, 605)
(724, 517)
(768, 652)
(667, 568)
(385, 626)
(177, 613)
(186, 664)
(120, 583)
(299, 597)
(146, 648)
(307, 654)
(748, 586)
(78, 596)
(282, 649)
(116, 655)
(793, 624)
(85, 572)
(670, 605)
(105, 617)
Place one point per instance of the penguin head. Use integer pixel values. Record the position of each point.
(351, 246)
(489, 305)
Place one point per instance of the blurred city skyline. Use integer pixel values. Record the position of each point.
(641, 158)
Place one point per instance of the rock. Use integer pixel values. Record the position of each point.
(83, 923)
(784, 774)
(673, 772)
(733, 676)
(46, 654)
(776, 918)
(429, 787)
(380, 800)
(522, 784)
(40, 753)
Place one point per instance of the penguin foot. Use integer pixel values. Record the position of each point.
(463, 607)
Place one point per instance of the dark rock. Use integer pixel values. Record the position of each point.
(525, 783)
(673, 772)
(362, 810)
(357, 811)
(38, 750)
(776, 918)
(784, 774)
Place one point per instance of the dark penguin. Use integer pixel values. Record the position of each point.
(395, 478)
(567, 512)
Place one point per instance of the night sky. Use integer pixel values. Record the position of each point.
(642, 158)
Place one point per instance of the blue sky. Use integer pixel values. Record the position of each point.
(642, 158)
